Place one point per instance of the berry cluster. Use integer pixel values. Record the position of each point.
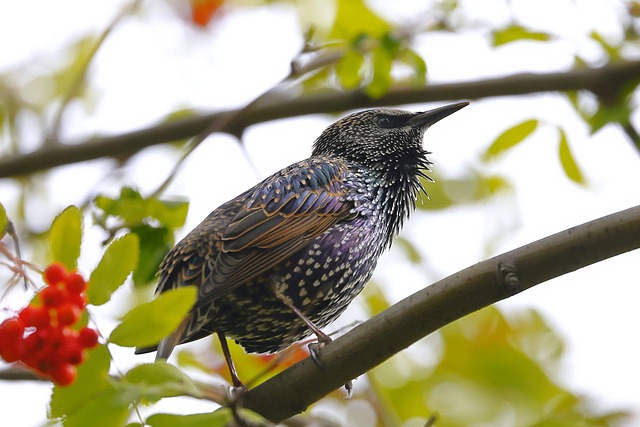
(41, 335)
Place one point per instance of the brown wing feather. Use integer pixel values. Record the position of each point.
(283, 217)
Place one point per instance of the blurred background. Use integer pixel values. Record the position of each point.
(548, 142)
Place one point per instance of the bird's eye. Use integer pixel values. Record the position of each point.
(384, 122)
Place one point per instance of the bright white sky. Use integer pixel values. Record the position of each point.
(155, 63)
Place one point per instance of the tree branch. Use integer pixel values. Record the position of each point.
(424, 312)
(597, 80)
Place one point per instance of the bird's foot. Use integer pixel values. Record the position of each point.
(316, 347)
(234, 393)
(234, 401)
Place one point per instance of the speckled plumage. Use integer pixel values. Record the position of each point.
(310, 235)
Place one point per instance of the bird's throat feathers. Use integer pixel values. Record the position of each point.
(397, 185)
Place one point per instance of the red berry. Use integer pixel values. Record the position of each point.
(46, 365)
(71, 352)
(36, 349)
(68, 314)
(88, 337)
(38, 317)
(79, 300)
(55, 273)
(75, 283)
(51, 296)
(12, 352)
(64, 374)
(12, 329)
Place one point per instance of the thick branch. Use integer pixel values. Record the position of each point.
(485, 283)
(597, 80)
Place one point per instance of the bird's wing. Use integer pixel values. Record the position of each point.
(281, 216)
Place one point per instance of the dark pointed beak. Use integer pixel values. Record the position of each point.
(427, 118)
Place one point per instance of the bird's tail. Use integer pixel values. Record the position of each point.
(166, 346)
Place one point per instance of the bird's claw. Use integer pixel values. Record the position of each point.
(314, 351)
(234, 393)
(349, 388)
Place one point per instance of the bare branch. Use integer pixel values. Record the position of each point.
(597, 80)
(478, 286)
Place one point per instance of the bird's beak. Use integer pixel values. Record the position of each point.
(427, 118)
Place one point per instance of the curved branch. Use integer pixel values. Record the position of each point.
(422, 313)
(597, 80)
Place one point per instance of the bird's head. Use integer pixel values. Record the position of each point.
(382, 139)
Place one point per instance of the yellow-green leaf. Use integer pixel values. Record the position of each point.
(514, 33)
(354, 18)
(382, 61)
(65, 237)
(158, 380)
(348, 69)
(3, 220)
(417, 64)
(510, 138)
(108, 409)
(148, 323)
(219, 418)
(568, 162)
(118, 261)
(611, 50)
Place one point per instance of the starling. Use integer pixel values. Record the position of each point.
(286, 257)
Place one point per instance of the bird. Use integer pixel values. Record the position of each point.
(286, 257)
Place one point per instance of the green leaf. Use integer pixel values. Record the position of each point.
(3, 220)
(375, 301)
(171, 214)
(90, 382)
(158, 380)
(133, 210)
(148, 323)
(118, 261)
(382, 61)
(568, 162)
(349, 69)
(417, 64)
(618, 112)
(129, 206)
(219, 418)
(354, 18)
(510, 138)
(410, 251)
(612, 51)
(514, 33)
(155, 242)
(472, 187)
(108, 409)
(65, 237)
